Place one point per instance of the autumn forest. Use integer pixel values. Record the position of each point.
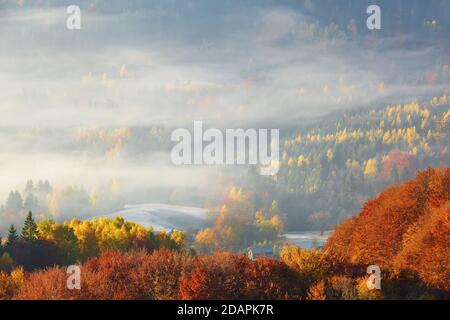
(318, 150)
(404, 230)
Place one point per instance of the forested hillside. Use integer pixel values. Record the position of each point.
(405, 229)
(330, 168)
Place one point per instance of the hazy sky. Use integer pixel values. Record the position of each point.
(228, 63)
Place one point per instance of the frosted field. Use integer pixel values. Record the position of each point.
(306, 239)
(162, 216)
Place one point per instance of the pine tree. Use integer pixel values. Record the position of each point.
(29, 230)
(12, 235)
(394, 174)
(14, 202)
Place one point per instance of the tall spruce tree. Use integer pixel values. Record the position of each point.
(12, 235)
(394, 174)
(29, 230)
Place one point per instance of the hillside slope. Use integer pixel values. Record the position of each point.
(406, 228)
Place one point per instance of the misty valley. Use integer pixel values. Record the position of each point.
(224, 150)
